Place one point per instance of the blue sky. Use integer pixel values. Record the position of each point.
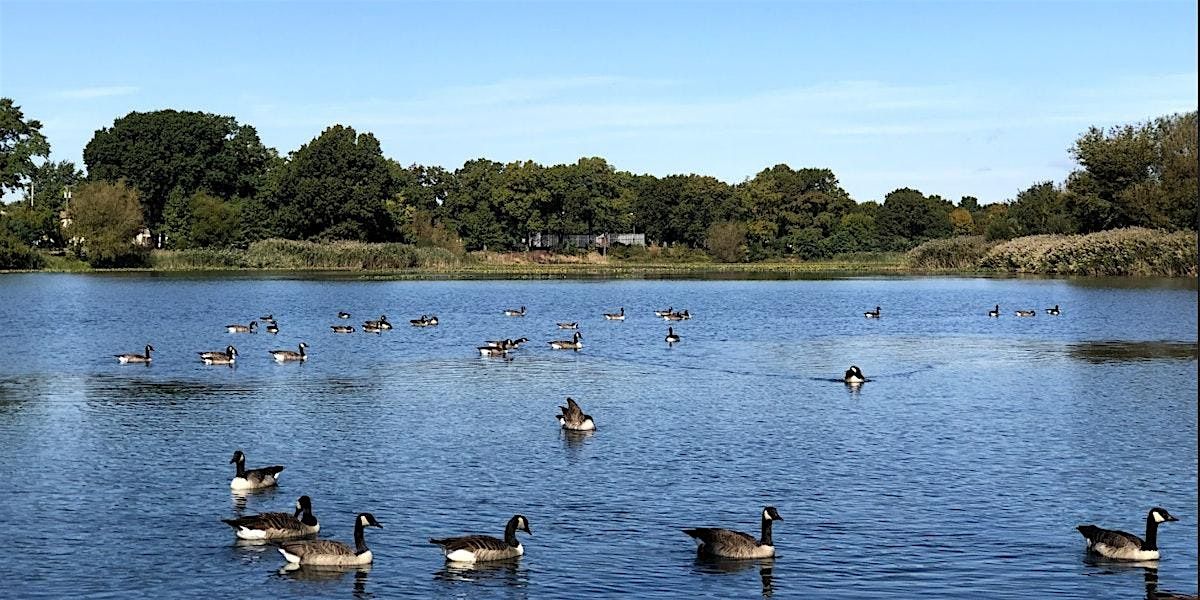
(952, 98)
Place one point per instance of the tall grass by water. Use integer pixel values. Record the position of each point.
(1132, 251)
(290, 254)
(959, 253)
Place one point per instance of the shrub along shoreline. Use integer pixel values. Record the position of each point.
(1121, 252)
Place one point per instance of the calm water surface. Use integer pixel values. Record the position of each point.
(959, 471)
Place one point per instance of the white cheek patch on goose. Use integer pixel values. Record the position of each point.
(1158, 518)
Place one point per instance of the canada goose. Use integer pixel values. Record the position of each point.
(872, 314)
(330, 552)
(725, 543)
(663, 313)
(342, 328)
(572, 417)
(995, 312)
(483, 548)
(672, 337)
(678, 316)
(135, 358)
(277, 525)
(569, 325)
(508, 312)
(267, 319)
(514, 344)
(252, 479)
(343, 315)
(618, 316)
(1119, 545)
(289, 355)
(854, 375)
(220, 358)
(572, 344)
(379, 325)
(1054, 312)
(1026, 313)
(425, 321)
(235, 328)
(272, 327)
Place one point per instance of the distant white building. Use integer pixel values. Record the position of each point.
(602, 240)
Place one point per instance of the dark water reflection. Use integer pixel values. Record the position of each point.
(959, 469)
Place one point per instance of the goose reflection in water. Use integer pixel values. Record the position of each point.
(507, 573)
(766, 570)
(1150, 577)
(329, 574)
(238, 497)
(575, 440)
(1149, 570)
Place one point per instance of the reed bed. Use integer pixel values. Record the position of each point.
(1131, 251)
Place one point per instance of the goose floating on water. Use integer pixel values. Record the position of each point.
(333, 553)
(568, 325)
(1119, 545)
(617, 316)
(663, 313)
(678, 316)
(1026, 313)
(343, 315)
(135, 358)
(872, 314)
(252, 479)
(484, 548)
(425, 321)
(272, 327)
(995, 312)
(724, 543)
(509, 312)
(574, 343)
(220, 358)
(1054, 312)
(342, 328)
(277, 525)
(672, 337)
(854, 375)
(291, 355)
(573, 419)
(235, 328)
(377, 326)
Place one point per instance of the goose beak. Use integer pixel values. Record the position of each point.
(1171, 518)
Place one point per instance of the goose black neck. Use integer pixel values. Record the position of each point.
(766, 532)
(308, 518)
(241, 467)
(360, 540)
(1151, 533)
(510, 533)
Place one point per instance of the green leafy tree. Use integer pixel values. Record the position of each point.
(21, 141)
(161, 151)
(908, 217)
(105, 218)
(726, 241)
(1039, 209)
(336, 187)
(470, 206)
(215, 223)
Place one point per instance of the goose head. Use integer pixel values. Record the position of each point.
(303, 505)
(1160, 515)
(231, 351)
(149, 349)
(238, 457)
(770, 514)
(368, 520)
(520, 523)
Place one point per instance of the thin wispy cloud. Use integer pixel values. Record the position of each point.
(88, 93)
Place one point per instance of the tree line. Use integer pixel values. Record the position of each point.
(205, 181)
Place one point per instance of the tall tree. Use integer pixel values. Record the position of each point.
(157, 152)
(21, 141)
(908, 217)
(336, 187)
(105, 217)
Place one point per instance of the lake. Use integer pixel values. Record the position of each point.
(960, 469)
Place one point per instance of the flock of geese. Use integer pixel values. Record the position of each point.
(290, 530)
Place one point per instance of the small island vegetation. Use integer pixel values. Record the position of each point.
(180, 190)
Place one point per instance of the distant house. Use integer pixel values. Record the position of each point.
(144, 238)
(602, 240)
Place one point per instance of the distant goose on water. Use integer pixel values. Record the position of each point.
(854, 375)
(663, 313)
(425, 321)
(277, 525)
(617, 316)
(377, 326)
(672, 337)
(484, 548)
(343, 315)
(509, 312)
(333, 553)
(1119, 545)
(574, 343)
(291, 355)
(135, 358)
(252, 479)
(1026, 313)
(995, 312)
(573, 419)
(872, 314)
(267, 319)
(235, 328)
(678, 316)
(1054, 312)
(220, 358)
(568, 325)
(724, 543)
(272, 327)
(342, 328)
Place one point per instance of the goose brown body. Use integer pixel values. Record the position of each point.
(485, 548)
(713, 542)
(253, 479)
(333, 553)
(277, 525)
